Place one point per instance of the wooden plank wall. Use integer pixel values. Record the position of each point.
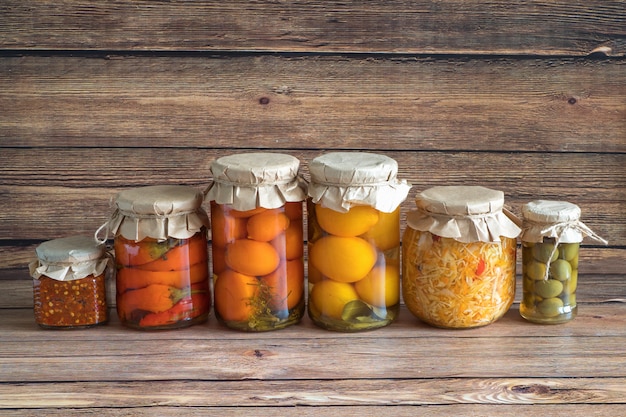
(96, 96)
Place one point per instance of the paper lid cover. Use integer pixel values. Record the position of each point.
(260, 179)
(464, 213)
(69, 258)
(554, 219)
(158, 212)
(340, 180)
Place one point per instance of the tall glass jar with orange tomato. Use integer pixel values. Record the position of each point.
(257, 240)
(161, 253)
(354, 240)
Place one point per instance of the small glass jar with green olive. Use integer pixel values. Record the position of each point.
(551, 238)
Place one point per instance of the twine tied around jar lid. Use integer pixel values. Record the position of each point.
(69, 258)
(464, 213)
(260, 179)
(559, 220)
(157, 212)
(341, 180)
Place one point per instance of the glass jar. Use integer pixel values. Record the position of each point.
(458, 254)
(551, 238)
(161, 253)
(69, 285)
(354, 240)
(257, 240)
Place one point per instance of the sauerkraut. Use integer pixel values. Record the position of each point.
(451, 284)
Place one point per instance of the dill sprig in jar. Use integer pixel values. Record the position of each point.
(458, 256)
(551, 237)
(69, 283)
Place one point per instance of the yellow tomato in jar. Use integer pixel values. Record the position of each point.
(356, 221)
(343, 259)
(380, 287)
(385, 234)
(329, 297)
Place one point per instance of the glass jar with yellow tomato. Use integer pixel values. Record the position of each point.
(354, 240)
(257, 240)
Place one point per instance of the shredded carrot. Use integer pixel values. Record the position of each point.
(452, 284)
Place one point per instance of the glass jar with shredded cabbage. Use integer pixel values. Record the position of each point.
(458, 255)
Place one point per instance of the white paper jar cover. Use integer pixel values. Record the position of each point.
(158, 212)
(69, 258)
(341, 180)
(260, 179)
(554, 219)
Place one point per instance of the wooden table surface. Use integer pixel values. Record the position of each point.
(508, 368)
(525, 97)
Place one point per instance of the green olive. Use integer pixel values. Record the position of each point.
(536, 270)
(574, 262)
(529, 299)
(544, 252)
(528, 284)
(561, 270)
(550, 307)
(569, 286)
(548, 288)
(568, 251)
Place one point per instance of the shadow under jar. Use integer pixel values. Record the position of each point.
(458, 257)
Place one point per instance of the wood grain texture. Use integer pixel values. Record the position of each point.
(421, 351)
(354, 102)
(398, 26)
(79, 199)
(293, 393)
(526, 97)
(558, 369)
(504, 410)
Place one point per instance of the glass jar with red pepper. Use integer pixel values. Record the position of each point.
(257, 240)
(161, 254)
(69, 283)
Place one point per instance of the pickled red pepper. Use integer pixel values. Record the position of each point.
(157, 286)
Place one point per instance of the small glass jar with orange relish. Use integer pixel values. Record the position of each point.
(354, 240)
(69, 283)
(257, 240)
(161, 253)
(458, 257)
